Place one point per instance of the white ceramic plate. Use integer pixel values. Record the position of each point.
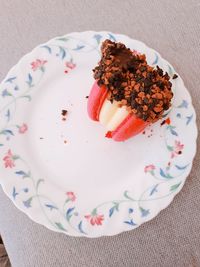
(65, 174)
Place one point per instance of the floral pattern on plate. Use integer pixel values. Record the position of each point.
(28, 192)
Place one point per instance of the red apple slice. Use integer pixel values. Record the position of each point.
(129, 127)
(96, 100)
(120, 123)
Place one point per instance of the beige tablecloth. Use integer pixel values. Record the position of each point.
(172, 28)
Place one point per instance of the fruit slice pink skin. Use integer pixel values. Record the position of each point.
(129, 127)
(95, 101)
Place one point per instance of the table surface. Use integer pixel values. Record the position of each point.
(173, 29)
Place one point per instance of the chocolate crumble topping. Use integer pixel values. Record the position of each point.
(144, 90)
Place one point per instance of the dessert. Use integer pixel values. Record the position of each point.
(128, 94)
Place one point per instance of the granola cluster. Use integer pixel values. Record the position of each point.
(146, 91)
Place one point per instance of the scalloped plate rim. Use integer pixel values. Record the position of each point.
(34, 219)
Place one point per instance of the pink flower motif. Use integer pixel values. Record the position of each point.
(95, 219)
(23, 128)
(71, 196)
(70, 65)
(8, 160)
(149, 168)
(177, 149)
(38, 64)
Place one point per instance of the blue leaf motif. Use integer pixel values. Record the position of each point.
(97, 37)
(130, 210)
(70, 210)
(162, 173)
(5, 93)
(80, 227)
(30, 80)
(172, 131)
(79, 47)
(69, 213)
(27, 203)
(62, 52)
(10, 80)
(16, 88)
(144, 212)
(25, 190)
(51, 207)
(181, 167)
(114, 208)
(112, 37)
(1, 144)
(153, 190)
(189, 118)
(165, 175)
(20, 173)
(23, 174)
(156, 59)
(178, 115)
(8, 114)
(111, 211)
(7, 132)
(131, 222)
(14, 193)
(47, 48)
(184, 104)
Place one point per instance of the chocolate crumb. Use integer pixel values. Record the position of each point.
(162, 123)
(41, 138)
(180, 152)
(175, 76)
(143, 132)
(65, 141)
(64, 112)
(87, 96)
(64, 119)
(143, 89)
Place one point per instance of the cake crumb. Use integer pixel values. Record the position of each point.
(167, 121)
(64, 112)
(175, 76)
